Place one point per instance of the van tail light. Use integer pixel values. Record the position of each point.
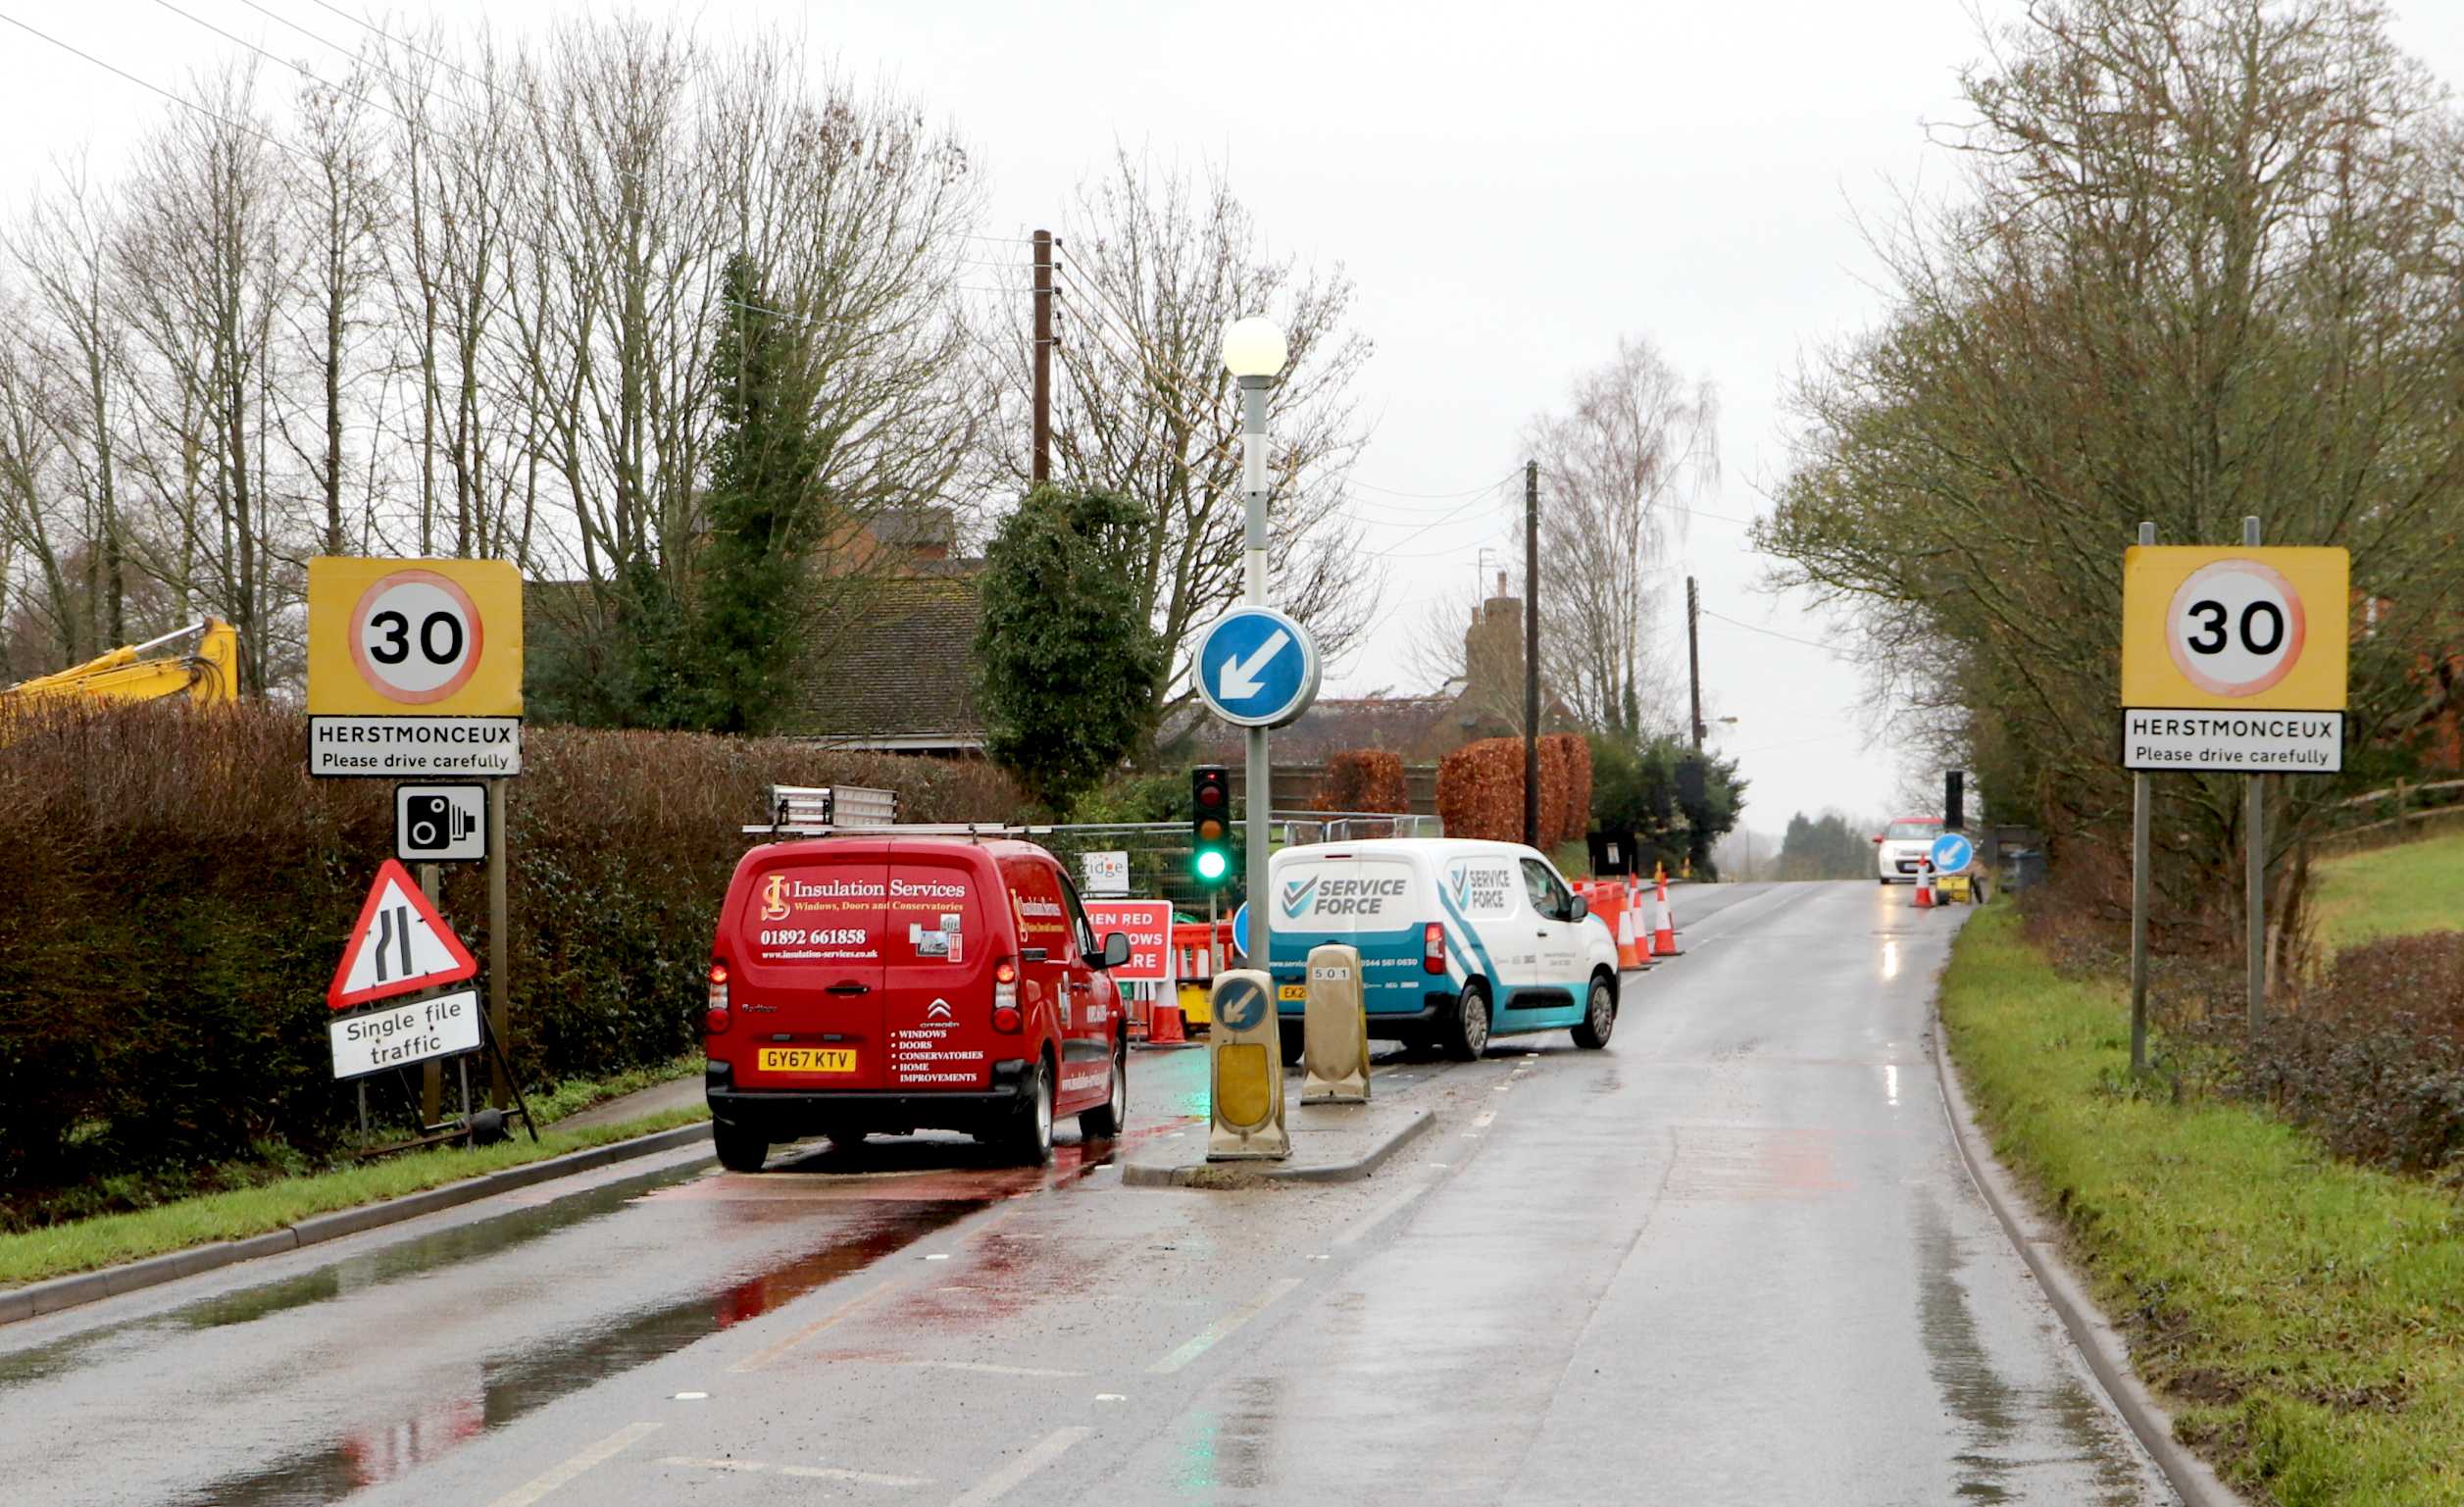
(1005, 996)
(1433, 948)
(715, 1020)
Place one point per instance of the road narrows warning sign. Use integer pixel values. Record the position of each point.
(399, 944)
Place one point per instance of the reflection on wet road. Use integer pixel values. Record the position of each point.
(1732, 1258)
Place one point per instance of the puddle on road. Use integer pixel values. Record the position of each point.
(510, 1387)
(355, 1274)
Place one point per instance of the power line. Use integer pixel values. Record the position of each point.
(1752, 627)
(301, 68)
(1396, 491)
(413, 47)
(176, 99)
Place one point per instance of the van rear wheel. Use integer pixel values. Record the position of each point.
(1104, 1122)
(1029, 1139)
(739, 1149)
(1466, 1035)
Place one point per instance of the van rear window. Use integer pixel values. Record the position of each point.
(932, 913)
(816, 913)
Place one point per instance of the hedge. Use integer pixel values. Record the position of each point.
(1479, 789)
(1365, 779)
(178, 889)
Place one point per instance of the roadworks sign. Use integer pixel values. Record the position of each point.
(399, 944)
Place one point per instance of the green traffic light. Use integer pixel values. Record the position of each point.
(1213, 864)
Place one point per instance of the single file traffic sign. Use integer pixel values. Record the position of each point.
(399, 944)
(1257, 668)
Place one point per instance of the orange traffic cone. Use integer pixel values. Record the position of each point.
(1664, 927)
(1925, 885)
(1163, 1026)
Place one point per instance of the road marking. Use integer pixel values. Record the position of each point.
(558, 1475)
(1482, 1122)
(760, 1358)
(986, 1368)
(861, 1478)
(1001, 1481)
(1214, 1334)
(802, 1472)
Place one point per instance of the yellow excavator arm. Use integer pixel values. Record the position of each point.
(207, 675)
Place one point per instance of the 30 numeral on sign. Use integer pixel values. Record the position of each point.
(2237, 628)
(416, 636)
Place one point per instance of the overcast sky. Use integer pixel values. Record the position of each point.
(1511, 186)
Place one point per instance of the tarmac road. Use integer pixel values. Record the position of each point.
(1734, 1258)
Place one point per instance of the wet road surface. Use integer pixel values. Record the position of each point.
(1734, 1258)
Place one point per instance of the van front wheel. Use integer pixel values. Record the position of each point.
(1466, 1035)
(1599, 1018)
(1294, 1041)
(1104, 1122)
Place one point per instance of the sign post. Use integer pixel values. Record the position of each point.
(415, 672)
(2223, 671)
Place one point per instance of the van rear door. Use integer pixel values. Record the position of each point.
(810, 945)
(1373, 902)
(936, 999)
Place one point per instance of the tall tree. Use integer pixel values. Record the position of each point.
(1633, 437)
(1152, 267)
(1070, 664)
(2207, 267)
(764, 515)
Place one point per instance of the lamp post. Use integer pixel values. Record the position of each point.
(1254, 353)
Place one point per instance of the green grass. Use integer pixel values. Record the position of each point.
(2392, 891)
(108, 1239)
(2303, 1318)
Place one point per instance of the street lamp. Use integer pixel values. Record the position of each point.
(1254, 353)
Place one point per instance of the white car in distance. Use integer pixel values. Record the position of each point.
(1899, 849)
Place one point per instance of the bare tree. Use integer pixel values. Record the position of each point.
(1615, 463)
(1153, 266)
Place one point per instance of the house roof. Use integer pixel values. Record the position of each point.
(1333, 724)
(900, 671)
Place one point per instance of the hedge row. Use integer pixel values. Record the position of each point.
(1479, 789)
(2373, 1059)
(1364, 779)
(178, 889)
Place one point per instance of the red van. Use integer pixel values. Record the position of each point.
(894, 983)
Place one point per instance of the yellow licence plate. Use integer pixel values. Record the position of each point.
(1292, 991)
(808, 1059)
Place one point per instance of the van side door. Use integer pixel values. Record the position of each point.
(1556, 936)
(1094, 1008)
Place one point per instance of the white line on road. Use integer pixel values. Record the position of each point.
(763, 1357)
(1003, 1481)
(700, 1464)
(807, 1472)
(557, 1475)
(986, 1368)
(1214, 1334)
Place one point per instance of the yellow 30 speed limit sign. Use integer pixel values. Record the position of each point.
(2233, 658)
(414, 667)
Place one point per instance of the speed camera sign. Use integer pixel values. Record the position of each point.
(2233, 658)
(414, 667)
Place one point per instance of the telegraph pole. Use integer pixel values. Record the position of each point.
(1694, 654)
(1041, 464)
(1532, 653)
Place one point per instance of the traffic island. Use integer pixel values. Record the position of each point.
(1330, 1143)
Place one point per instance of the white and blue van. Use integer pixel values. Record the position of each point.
(1459, 940)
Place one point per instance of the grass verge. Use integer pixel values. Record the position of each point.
(2303, 1318)
(108, 1239)
(2392, 891)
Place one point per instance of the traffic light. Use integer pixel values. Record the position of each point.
(1954, 800)
(1210, 824)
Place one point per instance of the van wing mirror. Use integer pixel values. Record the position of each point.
(1116, 948)
(1583, 908)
